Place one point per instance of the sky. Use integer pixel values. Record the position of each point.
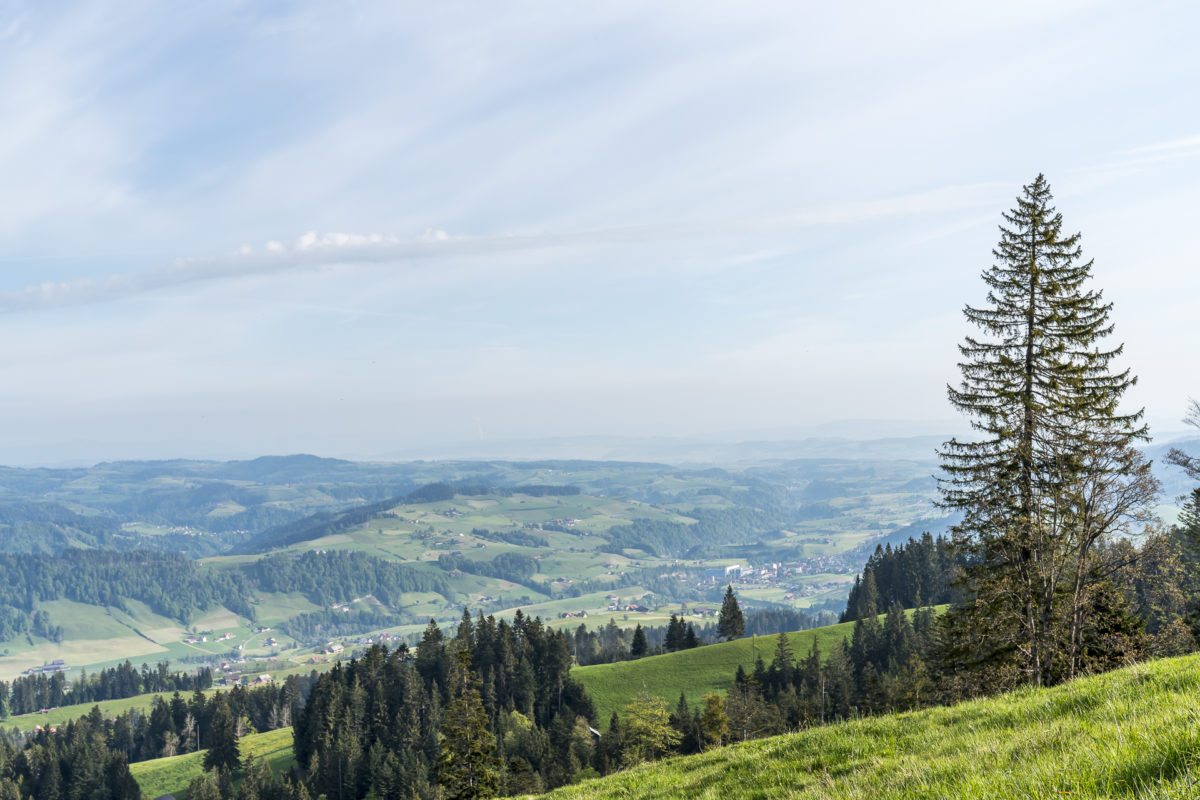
(355, 229)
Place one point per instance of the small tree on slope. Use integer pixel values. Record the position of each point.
(730, 624)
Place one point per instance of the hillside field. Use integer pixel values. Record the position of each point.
(694, 672)
(1133, 733)
(172, 775)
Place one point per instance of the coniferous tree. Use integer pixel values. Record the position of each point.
(676, 635)
(638, 648)
(713, 721)
(1054, 470)
(222, 739)
(467, 764)
(783, 664)
(730, 623)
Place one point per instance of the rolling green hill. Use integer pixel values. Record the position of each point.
(694, 672)
(1132, 733)
(559, 539)
(172, 775)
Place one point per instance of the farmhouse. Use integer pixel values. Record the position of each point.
(57, 665)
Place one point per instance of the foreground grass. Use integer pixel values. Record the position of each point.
(694, 672)
(172, 775)
(1134, 733)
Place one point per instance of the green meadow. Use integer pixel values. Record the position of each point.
(108, 709)
(172, 775)
(1133, 733)
(696, 672)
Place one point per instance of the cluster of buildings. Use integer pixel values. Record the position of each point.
(57, 665)
(233, 679)
(197, 639)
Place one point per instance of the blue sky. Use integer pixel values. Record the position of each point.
(228, 229)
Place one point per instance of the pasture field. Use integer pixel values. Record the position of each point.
(1125, 735)
(89, 653)
(172, 775)
(56, 717)
(695, 672)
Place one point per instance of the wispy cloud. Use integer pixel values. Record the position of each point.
(1175, 145)
(313, 250)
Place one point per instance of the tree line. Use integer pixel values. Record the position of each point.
(920, 572)
(336, 576)
(169, 584)
(34, 692)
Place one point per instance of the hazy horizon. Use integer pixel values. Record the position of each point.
(880, 440)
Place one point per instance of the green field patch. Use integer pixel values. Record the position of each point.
(137, 616)
(695, 673)
(81, 621)
(273, 608)
(227, 509)
(109, 709)
(172, 775)
(217, 619)
(88, 653)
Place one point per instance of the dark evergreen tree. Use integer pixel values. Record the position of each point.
(676, 635)
(730, 623)
(221, 740)
(783, 665)
(638, 648)
(1054, 469)
(467, 766)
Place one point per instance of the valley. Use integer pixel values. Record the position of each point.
(374, 551)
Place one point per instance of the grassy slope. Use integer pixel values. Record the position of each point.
(109, 708)
(172, 775)
(142, 702)
(694, 672)
(1134, 733)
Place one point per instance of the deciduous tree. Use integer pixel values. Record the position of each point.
(647, 728)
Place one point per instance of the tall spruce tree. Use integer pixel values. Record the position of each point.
(1054, 470)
